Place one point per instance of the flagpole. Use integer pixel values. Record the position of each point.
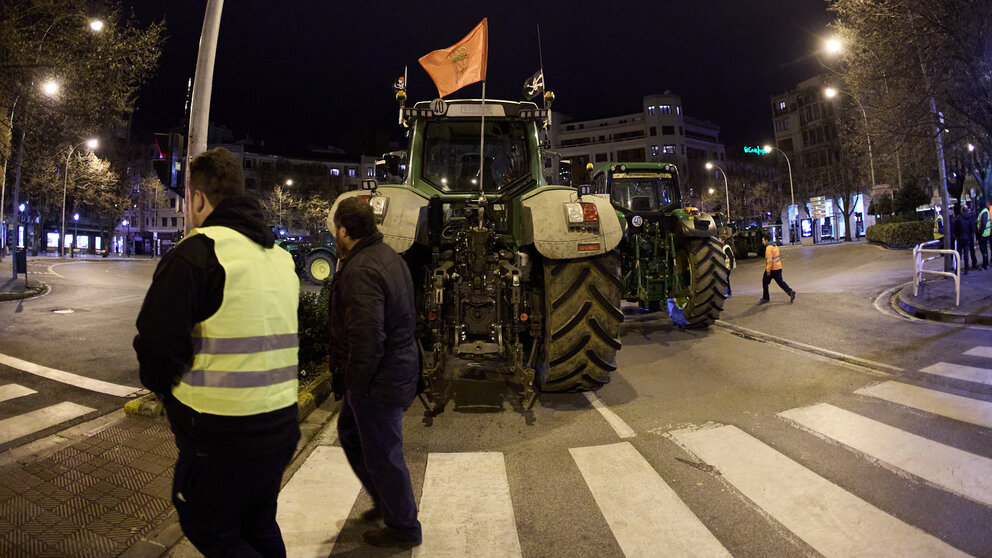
(482, 139)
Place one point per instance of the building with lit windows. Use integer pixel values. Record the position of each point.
(807, 128)
(660, 131)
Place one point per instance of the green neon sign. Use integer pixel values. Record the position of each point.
(758, 150)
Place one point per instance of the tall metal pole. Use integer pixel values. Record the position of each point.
(17, 188)
(726, 187)
(792, 191)
(199, 112)
(65, 186)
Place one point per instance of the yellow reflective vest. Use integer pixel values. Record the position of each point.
(988, 225)
(773, 260)
(245, 355)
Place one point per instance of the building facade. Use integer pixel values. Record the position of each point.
(660, 131)
(808, 130)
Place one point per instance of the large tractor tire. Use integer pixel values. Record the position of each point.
(704, 263)
(582, 322)
(320, 266)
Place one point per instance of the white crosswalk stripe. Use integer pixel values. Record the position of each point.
(646, 516)
(466, 509)
(324, 482)
(825, 516)
(960, 372)
(949, 405)
(980, 352)
(28, 423)
(13, 391)
(952, 469)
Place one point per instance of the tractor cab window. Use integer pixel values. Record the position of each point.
(643, 194)
(451, 154)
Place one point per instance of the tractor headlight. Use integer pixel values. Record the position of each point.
(582, 214)
(573, 210)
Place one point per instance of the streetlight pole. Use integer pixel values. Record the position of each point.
(75, 233)
(832, 92)
(92, 144)
(792, 192)
(726, 186)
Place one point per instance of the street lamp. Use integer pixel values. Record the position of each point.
(288, 182)
(50, 88)
(833, 45)
(830, 93)
(91, 144)
(792, 191)
(127, 247)
(75, 233)
(96, 25)
(710, 166)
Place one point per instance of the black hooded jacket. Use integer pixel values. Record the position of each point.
(188, 288)
(371, 322)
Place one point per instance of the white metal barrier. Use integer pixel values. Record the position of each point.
(935, 254)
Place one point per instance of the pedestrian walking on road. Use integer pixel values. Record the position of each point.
(217, 342)
(982, 232)
(773, 270)
(376, 368)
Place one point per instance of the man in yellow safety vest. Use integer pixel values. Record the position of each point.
(773, 270)
(984, 228)
(217, 342)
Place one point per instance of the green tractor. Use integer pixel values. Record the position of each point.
(315, 258)
(509, 267)
(671, 254)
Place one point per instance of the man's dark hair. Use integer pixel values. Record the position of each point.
(355, 215)
(219, 175)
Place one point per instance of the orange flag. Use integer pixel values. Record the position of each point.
(462, 63)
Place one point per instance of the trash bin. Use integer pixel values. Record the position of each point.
(21, 260)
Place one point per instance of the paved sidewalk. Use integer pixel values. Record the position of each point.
(935, 299)
(16, 289)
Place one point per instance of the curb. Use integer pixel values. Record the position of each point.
(41, 290)
(932, 314)
(312, 395)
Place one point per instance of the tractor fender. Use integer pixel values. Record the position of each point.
(697, 226)
(403, 213)
(545, 225)
(323, 250)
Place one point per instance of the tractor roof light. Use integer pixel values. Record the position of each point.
(692, 211)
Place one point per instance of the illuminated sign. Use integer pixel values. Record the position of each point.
(758, 150)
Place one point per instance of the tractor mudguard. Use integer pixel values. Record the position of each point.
(697, 226)
(545, 224)
(403, 213)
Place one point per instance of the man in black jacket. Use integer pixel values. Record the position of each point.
(377, 366)
(226, 374)
(964, 237)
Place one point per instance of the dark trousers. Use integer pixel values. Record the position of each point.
(371, 434)
(227, 505)
(966, 247)
(983, 245)
(775, 274)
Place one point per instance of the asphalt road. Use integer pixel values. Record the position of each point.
(742, 441)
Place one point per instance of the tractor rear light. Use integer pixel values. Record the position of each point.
(523, 317)
(365, 198)
(589, 213)
(431, 316)
(692, 211)
(574, 212)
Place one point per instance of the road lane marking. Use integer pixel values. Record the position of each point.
(828, 518)
(465, 509)
(316, 502)
(13, 391)
(980, 352)
(960, 372)
(29, 423)
(646, 516)
(621, 427)
(957, 471)
(964, 409)
(91, 384)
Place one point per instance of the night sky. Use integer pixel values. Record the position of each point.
(317, 72)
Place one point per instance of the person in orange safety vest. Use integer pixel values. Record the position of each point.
(773, 270)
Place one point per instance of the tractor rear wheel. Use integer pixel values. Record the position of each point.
(703, 264)
(320, 266)
(582, 317)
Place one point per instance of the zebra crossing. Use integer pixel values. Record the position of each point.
(466, 506)
(22, 425)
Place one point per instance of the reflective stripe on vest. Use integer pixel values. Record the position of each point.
(988, 225)
(772, 258)
(245, 356)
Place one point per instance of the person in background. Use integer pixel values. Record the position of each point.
(773, 271)
(982, 233)
(964, 237)
(217, 342)
(375, 365)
